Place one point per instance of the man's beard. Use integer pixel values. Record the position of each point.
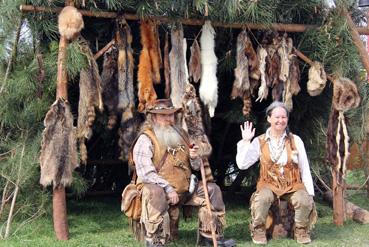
(167, 136)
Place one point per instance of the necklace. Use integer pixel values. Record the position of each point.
(276, 148)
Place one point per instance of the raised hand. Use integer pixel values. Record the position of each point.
(247, 131)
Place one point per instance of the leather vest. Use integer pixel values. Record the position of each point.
(272, 176)
(176, 168)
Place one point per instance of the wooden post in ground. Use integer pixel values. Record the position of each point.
(338, 198)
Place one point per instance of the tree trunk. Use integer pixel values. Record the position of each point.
(338, 198)
(60, 214)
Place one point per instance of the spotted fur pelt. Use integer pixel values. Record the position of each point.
(195, 62)
(193, 119)
(241, 84)
(146, 91)
(209, 81)
(345, 94)
(317, 79)
(90, 97)
(70, 22)
(178, 74)
(58, 156)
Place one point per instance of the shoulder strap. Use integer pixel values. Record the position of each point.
(184, 137)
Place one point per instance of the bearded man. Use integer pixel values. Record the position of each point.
(164, 163)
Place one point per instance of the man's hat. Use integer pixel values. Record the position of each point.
(162, 106)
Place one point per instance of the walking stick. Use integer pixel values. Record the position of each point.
(207, 201)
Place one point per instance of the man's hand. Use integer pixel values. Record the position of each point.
(173, 197)
(194, 151)
(247, 131)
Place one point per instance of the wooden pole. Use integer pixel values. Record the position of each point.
(338, 198)
(357, 41)
(293, 28)
(104, 49)
(207, 201)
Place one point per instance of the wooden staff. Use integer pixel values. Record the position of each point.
(207, 201)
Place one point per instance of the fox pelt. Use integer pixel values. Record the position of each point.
(146, 91)
(345, 94)
(241, 84)
(192, 115)
(70, 22)
(178, 70)
(90, 97)
(58, 156)
(317, 79)
(194, 66)
(209, 82)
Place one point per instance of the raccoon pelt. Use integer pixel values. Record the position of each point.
(192, 115)
(241, 84)
(166, 67)
(177, 61)
(125, 66)
(90, 97)
(146, 91)
(345, 94)
(317, 79)
(109, 78)
(209, 81)
(194, 66)
(263, 89)
(294, 75)
(70, 22)
(58, 156)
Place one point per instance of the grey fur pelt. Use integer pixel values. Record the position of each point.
(58, 156)
(178, 73)
(209, 82)
(90, 97)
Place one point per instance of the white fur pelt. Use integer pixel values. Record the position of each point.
(209, 82)
(178, 69)
(58, 156)
(317, 79)
(70, 22)
(263, 89)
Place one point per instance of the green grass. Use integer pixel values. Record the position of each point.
(99, 222)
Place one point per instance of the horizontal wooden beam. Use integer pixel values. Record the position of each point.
(290, 28)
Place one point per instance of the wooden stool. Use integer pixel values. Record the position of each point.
(280, 221)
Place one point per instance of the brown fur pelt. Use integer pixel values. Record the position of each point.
(90, 97)
(247, 105)
(294, 75)
(273, 63)
(252, 59)
(110, 84)
(194, 65)
(241, 84)
(345, 94)
(146, 91)
(166, 67)
(192, 115)
(277, 91)
(178, 76)
(127, 132)
(58, 156)
(317, 79)
(70, 22)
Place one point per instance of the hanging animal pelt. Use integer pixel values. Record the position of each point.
(58, 156)
(252, 60)
(273, 63)
(209, 81)
(345, 94)
(317, 79)
(109, 78)
(146, 91)
(294, 75)
(241, 84)
(247, 105)
(192, 115)
(70, 22)
(166, 67)
(284, 50)
(127, 132)
(90, 97)
(195, 62)
(263, 89)
(178, 70)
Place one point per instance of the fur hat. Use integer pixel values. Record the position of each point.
(162, 106)
(345, 94)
